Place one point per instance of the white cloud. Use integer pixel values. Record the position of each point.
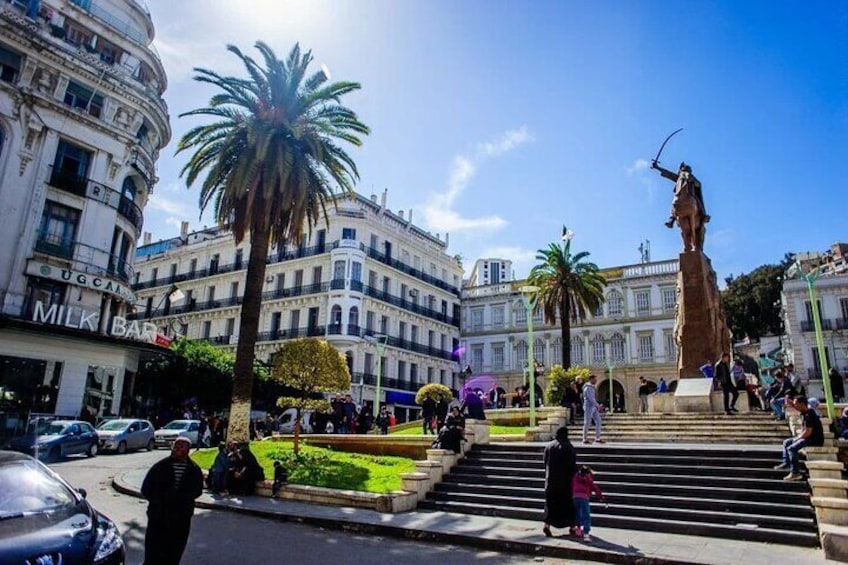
(172, 207)
(439, 212)
(638, 166)
(174, 221)
(507, 142)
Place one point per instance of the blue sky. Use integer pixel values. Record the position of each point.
(499, 121)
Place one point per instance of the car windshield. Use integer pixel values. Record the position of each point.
(51, 429)
(176, 426)
(113, 425)
(25, 486)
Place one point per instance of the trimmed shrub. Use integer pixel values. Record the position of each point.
(436, 390)
(559, 379)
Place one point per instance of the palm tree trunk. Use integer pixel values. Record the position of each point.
(565, 328)
(248, 329)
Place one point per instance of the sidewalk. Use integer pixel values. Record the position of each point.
(608, 545)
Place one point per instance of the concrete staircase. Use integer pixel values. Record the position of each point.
(722, 492)
(746, 427)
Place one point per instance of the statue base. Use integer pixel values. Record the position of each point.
(700, 327)
(693, 395)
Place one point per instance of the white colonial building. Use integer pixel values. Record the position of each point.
(632, 332)
(82, 121)
(368, 273)
(831, 290)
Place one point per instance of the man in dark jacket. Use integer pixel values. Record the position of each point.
(428, 412)
(170, 488)
(728, 387)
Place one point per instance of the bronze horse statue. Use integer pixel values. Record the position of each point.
(687, 206)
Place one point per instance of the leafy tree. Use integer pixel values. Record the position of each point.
(436, 390)
(271, 159)
(194, 370)
(569, 286)
(311, 367)
(559, 379)
(752, 302)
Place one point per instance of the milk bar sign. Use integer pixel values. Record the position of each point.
(79, 319)
(77, 278)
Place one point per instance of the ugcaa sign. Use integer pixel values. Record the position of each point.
(77, 318)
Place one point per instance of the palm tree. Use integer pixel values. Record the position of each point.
(271, 158)
(569, 286)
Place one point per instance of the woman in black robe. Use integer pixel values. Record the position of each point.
(560, 466)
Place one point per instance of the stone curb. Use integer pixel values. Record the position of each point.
(597, 555)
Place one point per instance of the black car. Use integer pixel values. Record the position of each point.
(45, 521)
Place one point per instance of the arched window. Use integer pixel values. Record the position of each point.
(336, 315)
(617, 348)
(353, 317)
(521, 354)
(556, 352)
(520, 315)
(577, 357)
(598, 353)
(128, 189)
(539, 353)
(615, 303)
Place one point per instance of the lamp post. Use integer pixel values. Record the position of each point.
(811, 278)
(378, 341)
(528, 294)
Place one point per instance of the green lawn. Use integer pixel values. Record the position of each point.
(493, 430)
(324, 467)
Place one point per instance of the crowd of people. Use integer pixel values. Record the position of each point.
(235, 470)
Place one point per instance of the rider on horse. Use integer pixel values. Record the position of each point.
(684, 172)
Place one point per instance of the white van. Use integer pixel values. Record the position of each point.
(286, 421)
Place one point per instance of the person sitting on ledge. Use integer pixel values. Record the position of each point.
(812, 435)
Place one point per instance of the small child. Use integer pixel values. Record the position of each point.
(583, 486)
(280, 478)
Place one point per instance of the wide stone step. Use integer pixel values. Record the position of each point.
(796, 507)
(623, 507)
(599, 457)
(652, 450)
(493, 473)
(645, 467)
(602, 519)
(794, 493)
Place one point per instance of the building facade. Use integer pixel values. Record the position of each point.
(82, 121)
(366, 280)
(632, 333)
(831, 290)
(490, 271)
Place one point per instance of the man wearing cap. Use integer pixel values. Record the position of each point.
(812, 435)
(170, 488)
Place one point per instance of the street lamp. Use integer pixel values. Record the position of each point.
(811, 278)
(528, 294)
(378, 341)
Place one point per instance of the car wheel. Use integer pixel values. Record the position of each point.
(151, 445)
(92, 450)
(54, 454)
(122, 448)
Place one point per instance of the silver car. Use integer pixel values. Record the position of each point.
(166, 435)
(125, 434)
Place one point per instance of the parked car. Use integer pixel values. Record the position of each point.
(44, 520)
(123, 434)
(287, 419)
(56, 439)
(165, 436)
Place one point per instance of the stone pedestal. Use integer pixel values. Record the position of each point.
(693, 395)
(700, 327)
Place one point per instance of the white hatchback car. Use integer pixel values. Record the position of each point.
(165, 436)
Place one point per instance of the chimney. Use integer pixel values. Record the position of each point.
(447, 239)
(373, 198)
(148, 237)
(183, 229)
(400, 213)
(409, 218)
(383, 199)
